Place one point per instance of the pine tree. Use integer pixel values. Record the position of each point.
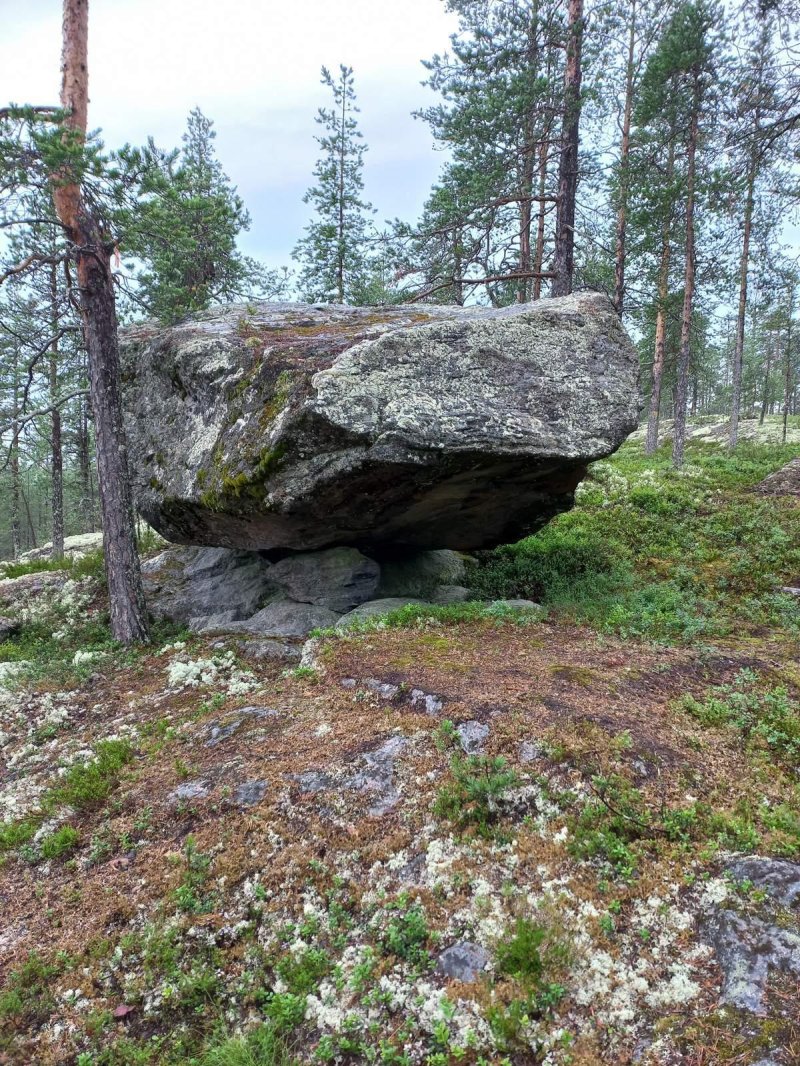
(47, 147)
(501, 88)
(564, 264)
(332, 258)
(183, 227)
(670, 114)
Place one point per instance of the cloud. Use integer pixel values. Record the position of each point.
(253, 67)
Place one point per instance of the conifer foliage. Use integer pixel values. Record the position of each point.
(183, 228)
(332, 253)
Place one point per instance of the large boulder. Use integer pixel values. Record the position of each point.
(286, 427)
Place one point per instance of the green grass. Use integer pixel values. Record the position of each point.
(659, 554)
(88, 784)
(27, 997)
(260, 1047)
(424, 614)
(60, 843)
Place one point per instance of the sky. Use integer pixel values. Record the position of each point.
(253, 66)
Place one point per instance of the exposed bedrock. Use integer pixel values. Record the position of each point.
(291, 428)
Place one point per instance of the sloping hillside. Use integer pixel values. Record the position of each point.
(457, 835)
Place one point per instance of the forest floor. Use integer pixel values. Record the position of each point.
(451, 837)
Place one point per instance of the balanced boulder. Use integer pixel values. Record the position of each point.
(292, 428)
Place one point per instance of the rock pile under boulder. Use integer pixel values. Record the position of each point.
(239, 591)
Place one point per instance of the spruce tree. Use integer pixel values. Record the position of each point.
(332, 254)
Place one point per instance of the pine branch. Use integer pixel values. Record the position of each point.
(518, 275)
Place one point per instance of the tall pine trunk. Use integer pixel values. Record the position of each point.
(16, 538)
(787, 365)
(538, 260)
(568, 162)
(765, 395)
(744, 266)
(85, 467)
(624, 172)
(95, 282)
(659, 355)
(56, 456)
(341, 233)
(682, 384)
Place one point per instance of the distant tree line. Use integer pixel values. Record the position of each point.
(648, 151)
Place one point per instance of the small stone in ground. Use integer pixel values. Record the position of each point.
(427, 701)
(384, 689)
(373, 608)
(378, 773)
(462, 961)
(313, 781)
(261, 650)
(249, 793)
(529, 751)
(472, 736)
(190, 790)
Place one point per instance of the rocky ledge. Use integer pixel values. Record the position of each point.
(283, 427)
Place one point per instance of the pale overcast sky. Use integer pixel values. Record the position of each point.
(253, 67)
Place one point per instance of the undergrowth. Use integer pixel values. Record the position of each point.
(661, 554)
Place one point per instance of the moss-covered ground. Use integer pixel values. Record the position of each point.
(210, 860)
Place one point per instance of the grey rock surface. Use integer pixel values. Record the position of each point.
(337, 578)
(264, 650)
(206, 585)
(779, 878)
(385, 689)
(371, 773)
(75, 546)
(516, 605)
(428, 702)
(249, 793)
(285, 618)
(19, 590)
(420, 573)
(463, 961)
(190, 790)
(530, 751)
(751, 947)
(472, 736)
(281, 426)
(374, 608)
(8, 627)
(451, 594)
(377, 775)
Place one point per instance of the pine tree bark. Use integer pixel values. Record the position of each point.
(16, 538)
(568, 162)
(765, 395)
(624, 171)
(538, 259)
(84, 471)
(787, 366)
(744, 266)
(96, 287)
(341, 234)
(56, 452)
(682, 383)
(659, 355)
